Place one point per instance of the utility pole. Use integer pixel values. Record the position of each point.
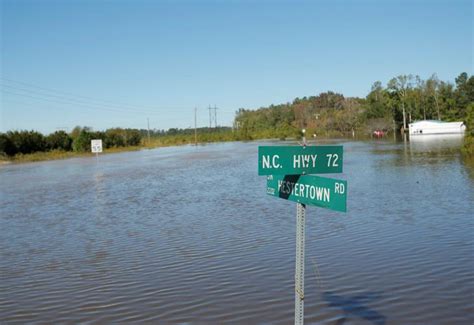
(215, 116)
(148, 128)
(210, 117)
(195, 127)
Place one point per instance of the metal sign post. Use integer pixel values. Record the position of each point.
(299, 265)
(299, 260)
(288, 170)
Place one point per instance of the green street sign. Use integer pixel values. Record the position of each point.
(298, 160)
(323, 192)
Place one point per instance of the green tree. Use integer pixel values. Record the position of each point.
(461, 93)
(27, 141)
(470, 89)
(7, 147)
(59, 140)
(468, 149)
(432, 88)
(399, 88)
(114, 138)
(133, 137)
(82, 142)
(377, 102)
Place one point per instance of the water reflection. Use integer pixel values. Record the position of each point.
(188, 235)
(356, 307)
(425, 150)
(435, 143)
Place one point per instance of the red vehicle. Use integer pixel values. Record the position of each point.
(378, 133)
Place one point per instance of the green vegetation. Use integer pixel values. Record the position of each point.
(33, 146)
(468, 149)
(404, 99)
(27, 146)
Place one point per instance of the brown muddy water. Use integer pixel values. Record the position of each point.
(187, 235)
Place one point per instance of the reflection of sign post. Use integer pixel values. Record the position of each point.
(96, 147)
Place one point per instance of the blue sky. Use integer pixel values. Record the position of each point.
(133, 60)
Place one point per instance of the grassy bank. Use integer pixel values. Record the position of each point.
(155, 142)
(187, 139)
(164, 141)
(59, 154)
(468, 148)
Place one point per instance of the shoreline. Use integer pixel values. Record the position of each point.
(62, 155)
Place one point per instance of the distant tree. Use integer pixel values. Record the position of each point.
(470, 89)
(7, 147)
(114, 138)
(468, 149)
(399, 88)
(82, 142)
(133, 137)
(419, 99)
(463, 94)
(78, 129)
(432, 87)
(59, 140)
(76, 132)
(352, 115)
(377, 102)
(27, 141)
(447, 101)
(470, 120)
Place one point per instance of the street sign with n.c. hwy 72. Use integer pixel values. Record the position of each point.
(297, 160)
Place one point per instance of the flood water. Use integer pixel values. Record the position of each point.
(189, 235)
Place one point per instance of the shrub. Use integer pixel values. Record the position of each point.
(59, 140)
(27, 141)
(82, 142)
(7, 147)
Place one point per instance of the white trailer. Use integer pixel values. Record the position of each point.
(436, 127)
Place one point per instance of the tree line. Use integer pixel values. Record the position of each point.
(404, 99)
(79, 140)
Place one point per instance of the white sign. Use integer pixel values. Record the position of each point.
(96, 146)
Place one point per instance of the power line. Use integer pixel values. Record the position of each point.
(87, 106)
(67, 100)
(215, 116)
(34, 106)
(49, 92)
(71, 95)
(31, 105)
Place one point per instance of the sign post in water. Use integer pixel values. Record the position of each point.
(96, 147)
(288, 170)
